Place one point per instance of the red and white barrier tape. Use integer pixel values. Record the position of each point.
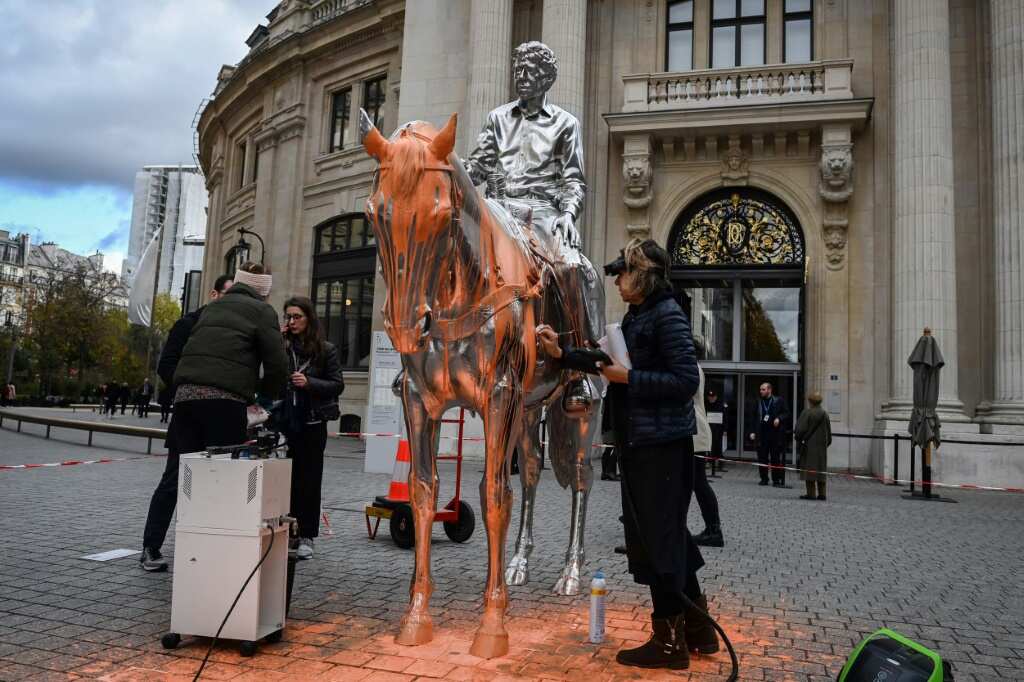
(72, 462)
(836, 474)
(866, 477)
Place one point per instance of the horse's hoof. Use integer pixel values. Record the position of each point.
(414, 633)
(517, 572)
(568, 583)
(489, 645)
(567, 586)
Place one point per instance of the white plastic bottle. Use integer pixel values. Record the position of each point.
(597, 595)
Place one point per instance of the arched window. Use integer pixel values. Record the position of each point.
(737, 228)
(344, 256)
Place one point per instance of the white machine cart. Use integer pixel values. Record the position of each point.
(228, 510)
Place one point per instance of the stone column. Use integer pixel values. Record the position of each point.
(924, 264)
(490, 35)
(1007, 44)
(565, 32)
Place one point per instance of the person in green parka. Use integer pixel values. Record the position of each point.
(813, 435)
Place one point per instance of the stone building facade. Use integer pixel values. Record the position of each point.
(830, 177)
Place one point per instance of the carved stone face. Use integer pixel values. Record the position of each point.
(835, 167)
(636, 172)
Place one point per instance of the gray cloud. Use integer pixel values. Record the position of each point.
(95, 89)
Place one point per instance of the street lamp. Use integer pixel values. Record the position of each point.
(13, 330)
(242, 247)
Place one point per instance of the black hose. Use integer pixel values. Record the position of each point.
(233, 604)
(689, 602)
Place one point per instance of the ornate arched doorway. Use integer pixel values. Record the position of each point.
(738, 263)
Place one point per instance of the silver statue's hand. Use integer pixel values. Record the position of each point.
(565, 227)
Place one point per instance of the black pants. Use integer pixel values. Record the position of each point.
(306, 450)
(196, 425)
(609, 462)
(667, 599)
(165, 412)
(706, 499)
(769, 451)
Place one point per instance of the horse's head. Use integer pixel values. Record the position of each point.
(411, 209)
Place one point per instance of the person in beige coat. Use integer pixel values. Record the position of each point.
(813, 435)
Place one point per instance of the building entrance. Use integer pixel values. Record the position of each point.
(738, 271)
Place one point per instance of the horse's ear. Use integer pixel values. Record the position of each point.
(373, 142)
(443, 144)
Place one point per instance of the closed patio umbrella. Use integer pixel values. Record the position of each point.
(926, 361)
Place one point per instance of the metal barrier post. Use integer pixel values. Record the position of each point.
(913, 474)
(47, 430)
(90, 437)
(895, 459)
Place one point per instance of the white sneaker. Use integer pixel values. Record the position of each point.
(305, 550)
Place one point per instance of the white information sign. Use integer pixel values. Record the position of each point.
(384, 412)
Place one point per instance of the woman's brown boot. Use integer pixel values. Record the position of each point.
(699, 634)
(665, 649)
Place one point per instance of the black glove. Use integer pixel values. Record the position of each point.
(584, 359)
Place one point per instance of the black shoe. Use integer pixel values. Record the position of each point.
(711, 537)
(665, 649)
(620, 549)
(763, 483)
(807, 497)
(152, 561)
(821, 497)
(700, 636)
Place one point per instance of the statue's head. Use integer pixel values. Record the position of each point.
(534, 69)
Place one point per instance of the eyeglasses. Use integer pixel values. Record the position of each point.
(296, 316)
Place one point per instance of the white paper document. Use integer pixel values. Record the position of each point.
(614, 344)
(112, 554)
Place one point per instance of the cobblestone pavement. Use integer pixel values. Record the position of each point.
(797, 585)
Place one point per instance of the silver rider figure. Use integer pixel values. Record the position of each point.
(535, 150)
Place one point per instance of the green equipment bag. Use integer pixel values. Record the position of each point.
(887, 656)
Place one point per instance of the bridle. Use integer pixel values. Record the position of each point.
(448, 328)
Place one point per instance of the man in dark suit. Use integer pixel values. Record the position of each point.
(772, 419)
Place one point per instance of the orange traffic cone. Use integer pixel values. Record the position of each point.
(399, 490)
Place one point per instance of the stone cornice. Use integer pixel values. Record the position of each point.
(753, 118)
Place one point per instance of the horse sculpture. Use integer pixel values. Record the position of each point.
(467, 285)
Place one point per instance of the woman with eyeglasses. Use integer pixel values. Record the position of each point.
(311, 400)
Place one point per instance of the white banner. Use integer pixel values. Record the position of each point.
(140, 300)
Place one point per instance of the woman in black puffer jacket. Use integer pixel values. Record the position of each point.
(654, 428)
(310, 402)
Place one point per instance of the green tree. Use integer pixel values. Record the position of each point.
(67, 312)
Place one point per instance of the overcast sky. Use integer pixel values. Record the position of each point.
(91, 91)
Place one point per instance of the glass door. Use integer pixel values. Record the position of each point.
(720, 391)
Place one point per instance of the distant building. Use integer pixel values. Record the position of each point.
(47, 262)
(13, 255)
(174, 196)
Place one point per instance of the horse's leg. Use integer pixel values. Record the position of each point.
(502, 421)
(417, 626)
(571, 439)
(518, 572)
